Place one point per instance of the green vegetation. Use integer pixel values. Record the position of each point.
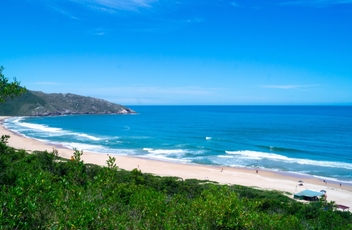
(43, 191)
(9, 89)
(33, 103)
(18, 101)
(20, 106)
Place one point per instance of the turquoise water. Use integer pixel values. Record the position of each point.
(314, 140)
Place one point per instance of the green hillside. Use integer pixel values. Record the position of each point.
(34, 103)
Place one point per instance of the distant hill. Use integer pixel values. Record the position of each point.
(35, 103)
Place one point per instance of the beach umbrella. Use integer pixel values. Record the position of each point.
(300, 181)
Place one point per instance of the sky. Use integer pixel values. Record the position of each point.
(182, 52)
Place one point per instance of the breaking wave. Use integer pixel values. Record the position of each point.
(17, 125)
(254, 155)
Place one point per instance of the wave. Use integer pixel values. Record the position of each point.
(166, 151)
(165, 158)
(173, 155)
(87, 136)
(82, 146)
(17, 125)
(17, 122)
(225, 156)
(100, 149)
(279, 149)
(254, 155)
(40, 127)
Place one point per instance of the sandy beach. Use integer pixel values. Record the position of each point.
(281, 181)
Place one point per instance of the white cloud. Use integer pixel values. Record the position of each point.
(99, 32)
(156, 90)
(47, 83)
(235, 4)
(141, 94)
(316, 3)
(59, 9)
(288, 86)
(109, 5)
(195, 20)
(104, 6)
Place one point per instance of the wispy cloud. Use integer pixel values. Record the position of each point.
(316, 3)
(287, 87)
(195, 20)
(143, 94)
(105, 6)
(158, 90)
(47, 83)
(99, 32)
(110, 5)
(59, 9)
(235, 4)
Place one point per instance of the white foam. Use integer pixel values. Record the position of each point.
(165, 151)
(87, 136)
(172, 155)
(99, 149)
(82, 146)
(208, 138)
(164, 158)
(39, 127)
(225, 156)
(15, 119)
(238, 166)
(254, 155)
(50, 131)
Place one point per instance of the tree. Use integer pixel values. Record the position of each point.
(9, 89)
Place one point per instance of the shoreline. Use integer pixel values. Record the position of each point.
(264, 179)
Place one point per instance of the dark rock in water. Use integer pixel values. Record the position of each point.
(34, 103)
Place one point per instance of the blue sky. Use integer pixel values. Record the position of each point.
(182, 52)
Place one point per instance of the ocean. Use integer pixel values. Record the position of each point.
(313, 140)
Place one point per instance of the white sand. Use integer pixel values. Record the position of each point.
(287, 182)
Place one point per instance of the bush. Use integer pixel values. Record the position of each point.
(43, 191)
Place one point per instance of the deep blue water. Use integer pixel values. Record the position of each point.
(315, 140)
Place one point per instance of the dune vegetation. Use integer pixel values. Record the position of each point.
(43, 191)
